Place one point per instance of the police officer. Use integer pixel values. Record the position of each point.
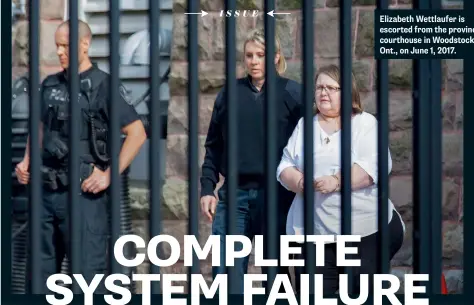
(251, 193)
(94, 166)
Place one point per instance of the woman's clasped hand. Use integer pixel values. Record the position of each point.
(326, 184)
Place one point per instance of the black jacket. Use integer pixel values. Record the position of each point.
(251, 132)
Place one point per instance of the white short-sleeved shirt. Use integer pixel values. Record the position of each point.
(327, 161)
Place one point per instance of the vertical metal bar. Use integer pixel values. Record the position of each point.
(114, 132)
(382, 140)
(421, 147)
(271, 145)
(436, 170)
(308, 98)
(35, 195)
(435, 204)
(7, 258)
(155, 127)
(74, 183)
(346, 128)
(231, 91)
(193, 117)
(467, 209)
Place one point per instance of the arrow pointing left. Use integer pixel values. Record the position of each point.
(272, 12)
(202, 13)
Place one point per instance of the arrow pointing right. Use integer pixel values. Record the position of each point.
(202, 13)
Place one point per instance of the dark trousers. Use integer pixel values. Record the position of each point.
(56, 234)
(366, 253)
(251, 221)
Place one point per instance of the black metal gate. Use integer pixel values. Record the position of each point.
(426, 139)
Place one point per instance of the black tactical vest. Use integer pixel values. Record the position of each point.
(92, 124)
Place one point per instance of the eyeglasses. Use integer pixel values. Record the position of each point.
(329, 89)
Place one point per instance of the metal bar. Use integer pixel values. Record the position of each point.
(435, 204)
(74, 183)
(8, 186)
(271, 231)
(421, 170)
(382, 161)
(308, 98)
(231, 91)
(155, 136)
(421, 190)
(436, 170)
(35, 194)
(114, 132)
(466, 194)
(193, 130)
(346, 128)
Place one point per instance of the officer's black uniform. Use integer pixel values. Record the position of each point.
(251, 171)
(93, 100)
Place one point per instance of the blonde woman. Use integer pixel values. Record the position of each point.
(251, 148)
(327, 177)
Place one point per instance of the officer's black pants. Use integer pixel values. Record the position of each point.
(56, 235)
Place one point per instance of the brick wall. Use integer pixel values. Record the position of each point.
(212, 78)
(51, 15)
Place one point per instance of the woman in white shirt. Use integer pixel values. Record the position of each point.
(326, 184)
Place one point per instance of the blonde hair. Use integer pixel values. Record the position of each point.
(334, 72)
(258, 36)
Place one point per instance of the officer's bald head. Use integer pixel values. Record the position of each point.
(84, 29)
(62, 42)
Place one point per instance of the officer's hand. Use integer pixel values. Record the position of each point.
(21, 171)
(208, 206)
(97, 181)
